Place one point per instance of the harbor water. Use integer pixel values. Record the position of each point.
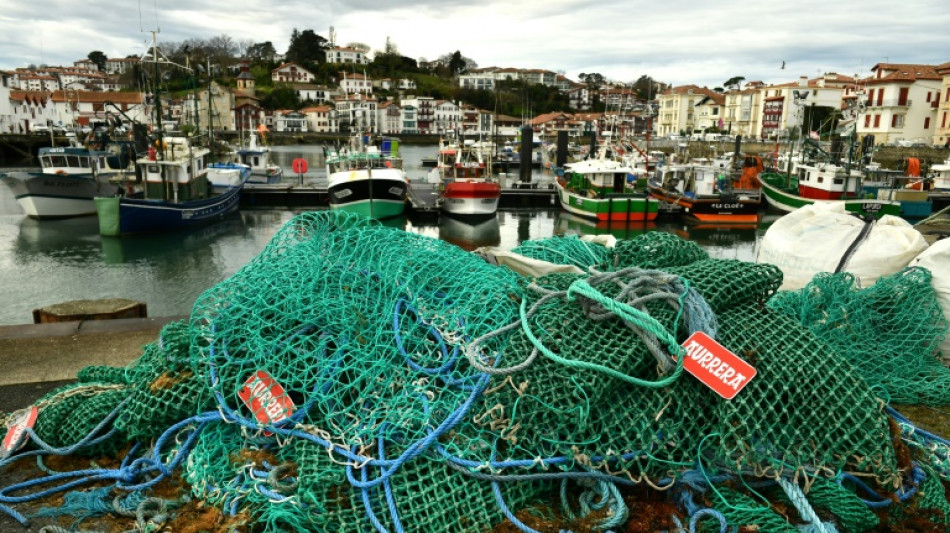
(51, 261)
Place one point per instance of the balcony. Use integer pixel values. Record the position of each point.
(889, 102)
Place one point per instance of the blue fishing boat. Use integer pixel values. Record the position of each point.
(177, 193)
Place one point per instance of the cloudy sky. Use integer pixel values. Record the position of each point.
(676, 41)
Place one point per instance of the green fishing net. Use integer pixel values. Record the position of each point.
(889, 331)
(424, 389)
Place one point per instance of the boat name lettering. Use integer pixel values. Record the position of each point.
(61, 184)
(871, 207)
(726, 206)
(713, 364)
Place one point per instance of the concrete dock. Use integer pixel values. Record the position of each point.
(36, 358)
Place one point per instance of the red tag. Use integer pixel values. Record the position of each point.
(15, 432)
(714, 365)
(266, 398)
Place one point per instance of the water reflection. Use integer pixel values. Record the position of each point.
(569, 224)
(470, 234)
(173, 248)
(71, 240)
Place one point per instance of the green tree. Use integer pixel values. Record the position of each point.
(261, 52)
(594, 80)
(281, 97)
(306, 46)
(98, 58)
(646, 87)
(733, 83)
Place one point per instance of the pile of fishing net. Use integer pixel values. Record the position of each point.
(355, 377)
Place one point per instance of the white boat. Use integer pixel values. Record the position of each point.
(367, 180)
(71, 177)
(257, 156)
(468, 188)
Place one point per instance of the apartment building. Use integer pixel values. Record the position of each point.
(942, 105)
(677, 106)
(900, 103)
(292, 73)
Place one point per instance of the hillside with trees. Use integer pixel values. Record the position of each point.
(218, 59)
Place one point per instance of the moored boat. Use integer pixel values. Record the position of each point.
(712, 192)
(256, 155)
(367, 179)
(824, 182)
(177, 193)
(70, 177)
(468, 188)
(597, 188)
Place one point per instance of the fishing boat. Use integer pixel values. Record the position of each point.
(257, 156)
(468, 188)
(70, 177)
(367, 179)
(176, 194)
(939, 180)
(825, 182)
(598, 188)
(224, 175)
(712, 192)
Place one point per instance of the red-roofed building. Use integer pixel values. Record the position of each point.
(292, 73)
(900, 103)
(942, 104)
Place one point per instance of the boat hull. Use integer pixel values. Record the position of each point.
(49, 196)
(738, 209)
(788, 202)
(471, 199)
(372, 198)
(621, 207)
(125, 216)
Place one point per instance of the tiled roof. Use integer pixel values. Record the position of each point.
(97, 96)
(902, 73)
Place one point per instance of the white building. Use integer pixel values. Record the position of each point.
(447, 117)
(900, 103)
(347, 55)
(321, 118)
(356, 112)
(408, 118)
(356, 84)
(290, 121)
(291, 73)
(389, 118)
(677, 106)
(309, 92)
(121, 65)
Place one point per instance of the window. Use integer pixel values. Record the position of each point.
(926, 123)
(897, 121)
(867, 121)
(877, 121)
(902, 97)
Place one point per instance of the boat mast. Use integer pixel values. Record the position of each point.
(158, 114)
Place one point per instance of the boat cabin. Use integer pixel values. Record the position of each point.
(827, 182)
(176, 173)
(940, 174)
(598, 177)
(83, 160)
